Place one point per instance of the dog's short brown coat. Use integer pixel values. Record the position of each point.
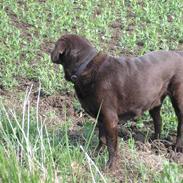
(123, 87)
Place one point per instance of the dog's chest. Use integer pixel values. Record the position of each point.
(87, 99)
(89, 106)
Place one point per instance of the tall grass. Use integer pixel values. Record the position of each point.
(29, 152)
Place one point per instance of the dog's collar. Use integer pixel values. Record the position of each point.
(81, 67)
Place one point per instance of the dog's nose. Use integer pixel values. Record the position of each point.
(74, 78)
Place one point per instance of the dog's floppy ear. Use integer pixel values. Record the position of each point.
(58, 51)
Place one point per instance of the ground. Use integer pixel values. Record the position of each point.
(32, 89)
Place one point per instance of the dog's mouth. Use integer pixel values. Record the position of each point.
(68, 75)
(56, 61)
(55, 58)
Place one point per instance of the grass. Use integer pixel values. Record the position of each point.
(30, 152)
(33, 151)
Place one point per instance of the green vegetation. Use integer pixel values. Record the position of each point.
(36, 144)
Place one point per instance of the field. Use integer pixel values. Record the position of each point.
(45, 136)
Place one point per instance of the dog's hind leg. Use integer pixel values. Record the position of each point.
(155, 114)
(177, 102)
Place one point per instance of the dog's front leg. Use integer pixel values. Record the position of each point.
(102, 137)
(110, 124)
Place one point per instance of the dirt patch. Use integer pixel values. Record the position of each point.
(61, 102)
(57, 108)
(129, 163)
(162, 147)
(62, 105)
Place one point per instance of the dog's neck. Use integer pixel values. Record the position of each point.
(85, 61)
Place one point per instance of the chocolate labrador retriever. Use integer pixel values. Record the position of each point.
(122, 88)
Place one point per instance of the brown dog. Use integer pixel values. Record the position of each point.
(123, 87)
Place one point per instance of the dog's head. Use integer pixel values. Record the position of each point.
(71, 51)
